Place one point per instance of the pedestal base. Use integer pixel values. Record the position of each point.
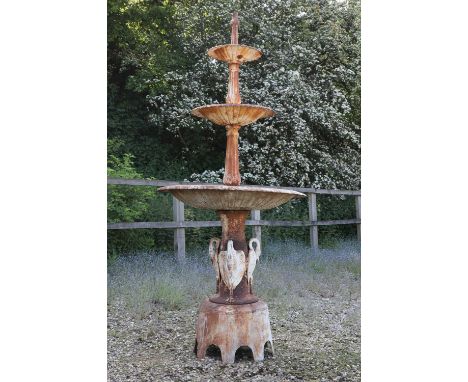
(230, 327)
(249, 299)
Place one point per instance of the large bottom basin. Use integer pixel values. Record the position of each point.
(221, 197)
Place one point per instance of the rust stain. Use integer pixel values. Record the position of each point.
(233, 286)
(233, 317)
(231, 164)
(225, 197)
(232, 327)
(213, 251)
(232, 266)
(234, 28)
(233, 95)
(234, 53)
(233, 114)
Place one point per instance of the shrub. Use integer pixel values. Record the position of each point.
(126, 204)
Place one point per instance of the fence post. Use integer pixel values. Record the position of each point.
(358, 215)
(256, 229)
(179, 233)
(313, 218)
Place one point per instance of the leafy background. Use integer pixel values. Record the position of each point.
(158, 70)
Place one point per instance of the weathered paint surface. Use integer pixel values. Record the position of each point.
(231, 164)
(222, 197)
(233, 287)
(232, 326)
(233, 114)
(213, 250)
(233, 95)
(233, 317)
(234, 53)
(254, 255)
(232, 266)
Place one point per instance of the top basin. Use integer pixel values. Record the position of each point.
(222, 197)
(234, 53)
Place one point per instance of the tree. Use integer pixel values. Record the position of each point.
(142, 46)
(158, 70)
(310, 75)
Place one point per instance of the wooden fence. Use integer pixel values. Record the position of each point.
(179, 224)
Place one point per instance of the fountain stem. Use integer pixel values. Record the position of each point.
(233, 94)
(231, 163)
(235, 28)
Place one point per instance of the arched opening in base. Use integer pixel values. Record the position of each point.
(268, 349)
(244, 353)
(213, 351)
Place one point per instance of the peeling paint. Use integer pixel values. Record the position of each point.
(222, 197)
(233, 317)
(231, 327)
(254, 255)
(232, 266)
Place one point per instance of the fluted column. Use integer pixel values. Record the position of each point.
(231, 163)
(233, 94)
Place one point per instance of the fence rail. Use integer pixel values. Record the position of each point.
(179, 224)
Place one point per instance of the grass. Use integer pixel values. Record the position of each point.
(313, 302)
(285, 274)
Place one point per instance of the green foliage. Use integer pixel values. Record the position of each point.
(199, 237)
(328, 208)
(332, 207)
(309, 74)
(141, 47)
(164, 293)
(126, 204)
(158, 71)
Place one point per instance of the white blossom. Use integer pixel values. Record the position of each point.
(310, 79)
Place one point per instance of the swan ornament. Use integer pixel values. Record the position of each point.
(254, 255)
(232, 267)
(213, 249)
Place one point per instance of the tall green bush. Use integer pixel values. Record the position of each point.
(126, 204)
(158, 71)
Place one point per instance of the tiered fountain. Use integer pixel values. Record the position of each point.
(233, 317)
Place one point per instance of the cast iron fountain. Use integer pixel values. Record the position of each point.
(233, 317)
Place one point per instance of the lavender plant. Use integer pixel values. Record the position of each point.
(286, 273)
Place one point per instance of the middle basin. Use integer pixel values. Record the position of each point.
(221, 197)
(233, 114)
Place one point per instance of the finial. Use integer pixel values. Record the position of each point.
(235, 29)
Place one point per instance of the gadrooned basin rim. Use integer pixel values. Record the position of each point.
(223, 197)
(250, 53)
(224, 114)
